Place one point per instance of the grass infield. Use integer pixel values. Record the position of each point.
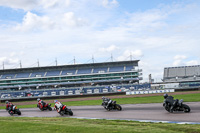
(72, 125)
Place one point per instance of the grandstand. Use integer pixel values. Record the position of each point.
(186, 76)
(75, 76)
(182, 74)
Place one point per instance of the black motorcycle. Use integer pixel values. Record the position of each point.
(113, 106)
(14, 110)
(179, 106)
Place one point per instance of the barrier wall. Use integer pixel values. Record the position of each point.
(75, 91)
(149, 92)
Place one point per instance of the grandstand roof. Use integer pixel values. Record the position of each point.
(182, 66)
(72, 66)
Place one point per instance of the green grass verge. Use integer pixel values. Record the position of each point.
(129, 100)
(59, 125)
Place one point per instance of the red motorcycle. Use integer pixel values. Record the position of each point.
(65, 110)
(45, 107)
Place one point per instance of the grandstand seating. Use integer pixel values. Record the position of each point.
(22, 75)
(116, 69)
(100, 70)
(84, 71)
(68, 72)
(70, 75)
(53, 73)
(8, 76)
(38, 74)
(129, 68)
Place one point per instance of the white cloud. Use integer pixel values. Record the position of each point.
(29, 5)
(148, 21)
(136, 53)
(54, 3)
(9, 60)
(33, 22)
(20, 4)
(192, 62)
(161, 36)
(185, 63)
(128, 54)
(70, 20)
(180, 57)
(178, 63)
(108, 49)
(181, 60)
(109, 3)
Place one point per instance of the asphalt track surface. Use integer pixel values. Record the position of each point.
(154, 111)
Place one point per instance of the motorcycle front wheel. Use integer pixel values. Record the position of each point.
(118, 107)
(186, 108)
(11, 113)
(70, 112)
(18, 112)
(167, 108)
(41, 109)
(50, 109)
(61, 113)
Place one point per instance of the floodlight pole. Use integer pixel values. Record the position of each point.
(3, 65)
(130, 56)
(38, 63)
(56, 62)
(20, 64)
(92, 58)
(74, 60)
(111, 58)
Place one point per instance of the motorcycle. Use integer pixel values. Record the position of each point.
(65, 111)
(45, 107)
(113, 106)
(14, 110)
(178, 107)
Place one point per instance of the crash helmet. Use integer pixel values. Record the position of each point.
(38, 99)
(55, 101)
(165, 95)
(6, 102)
(103, 97)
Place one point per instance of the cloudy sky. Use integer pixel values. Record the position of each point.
(159, 33)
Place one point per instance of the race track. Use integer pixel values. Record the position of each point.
(153, 111)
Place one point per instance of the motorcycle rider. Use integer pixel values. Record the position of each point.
(170, 100)
(107, 101)
(40, 102)
(9, 106)
(175, 103)
(58, 105)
